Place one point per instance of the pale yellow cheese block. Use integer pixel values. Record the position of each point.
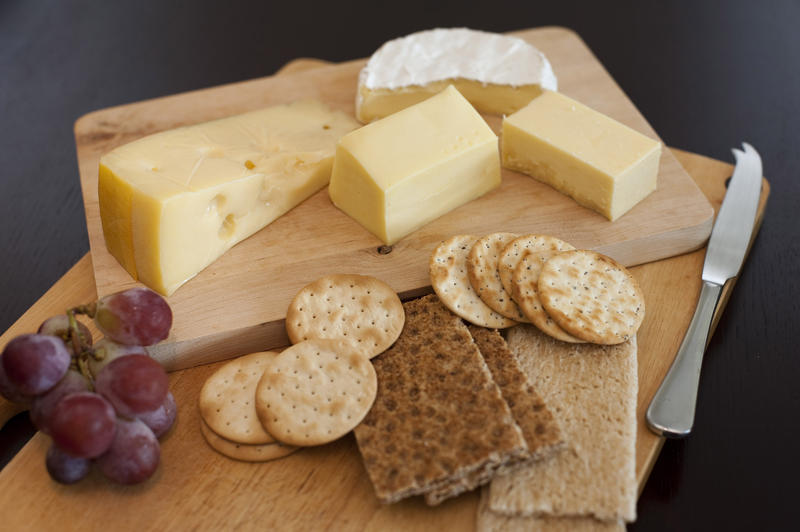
(601, 163)
(173, 202)
(399, 173)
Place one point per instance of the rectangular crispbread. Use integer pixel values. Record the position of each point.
(438, 417)
(539, 427)
(540, 430)
(489, 521)
(592, 390)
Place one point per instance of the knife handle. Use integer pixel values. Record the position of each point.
(671, 413)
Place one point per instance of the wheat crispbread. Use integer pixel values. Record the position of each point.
(489, 521)
(438, 417)
(539, 427)
(592, 390)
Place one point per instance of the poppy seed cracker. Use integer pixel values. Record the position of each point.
(484, 276)
(450, 281)
(591, 296)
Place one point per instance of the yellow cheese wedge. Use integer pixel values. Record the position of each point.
(173, 202)
(602, 164)
(397, 174)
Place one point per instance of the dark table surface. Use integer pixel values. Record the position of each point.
(707, 75)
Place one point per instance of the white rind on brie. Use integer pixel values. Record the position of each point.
(498, 74)
(439, 54)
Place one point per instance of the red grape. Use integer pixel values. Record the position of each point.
(134, 384)
(137, 316)
(134, 454)
(59, 326)
(34, 363)
(10, 391)
(64, 468)
(43, 405)
(82, 424)
(161, 419)
(110, 350)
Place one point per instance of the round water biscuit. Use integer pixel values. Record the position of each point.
(244, 451)
(227, 399)
(518, 248)
(525, 293)
(591, 296)
(484, 277)
(315, 392)
(359, 308)
(450, 281)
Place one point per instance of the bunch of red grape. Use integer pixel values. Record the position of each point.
(105, 403)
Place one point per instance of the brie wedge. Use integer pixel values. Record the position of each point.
(497, 74)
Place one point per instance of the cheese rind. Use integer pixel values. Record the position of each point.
(599, 162)
(496, 73)
(173, 202)
(486, 97)
(397, 174)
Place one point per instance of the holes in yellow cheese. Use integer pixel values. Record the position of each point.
(228, 227)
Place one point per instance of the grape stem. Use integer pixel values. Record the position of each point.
(80, 345)
(88, 309)
(78, 342)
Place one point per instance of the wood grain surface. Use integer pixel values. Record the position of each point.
(318, 488)
(237, 304)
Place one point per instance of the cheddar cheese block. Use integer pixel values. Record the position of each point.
(397, 174)
(602, 164)
(173, 202)
(496, 73)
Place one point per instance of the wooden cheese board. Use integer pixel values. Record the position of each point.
(237, 305)
(318, 488)
(196, 488)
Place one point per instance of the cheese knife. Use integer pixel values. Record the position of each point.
(671, 412)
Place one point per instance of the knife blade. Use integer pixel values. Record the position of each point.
(671, 412)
